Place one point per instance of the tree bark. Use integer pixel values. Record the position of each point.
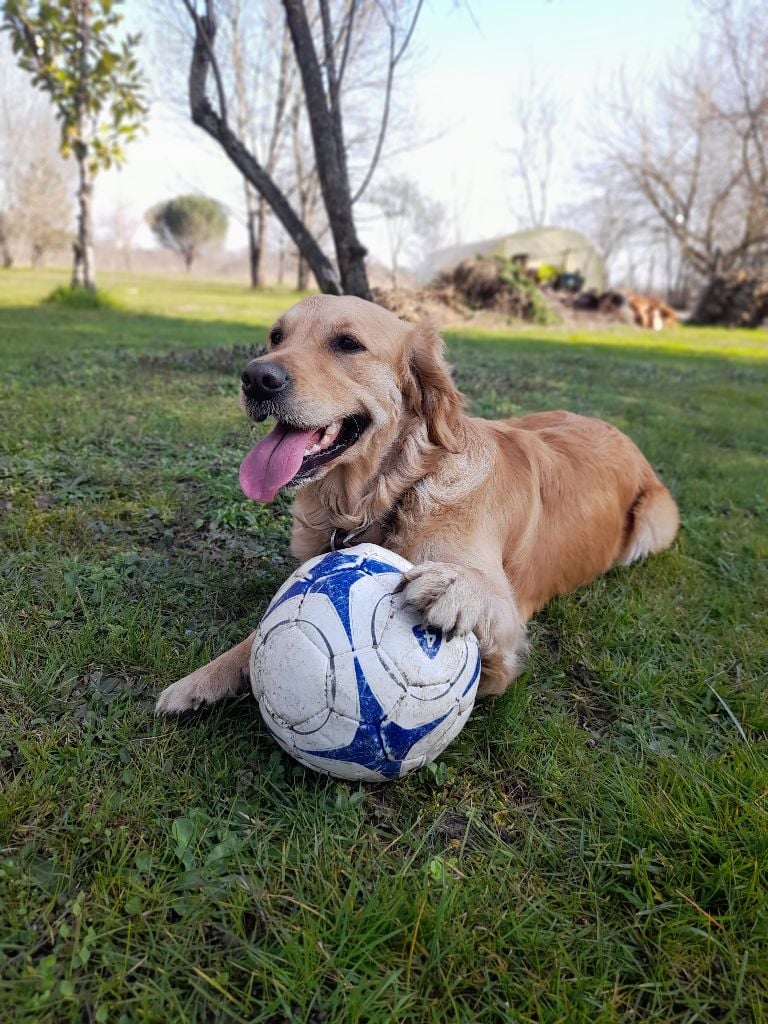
(330, 156)
(242, 125)
(5, 249)
(83, 275)
(306, 188)
(262, 217)
(254, 243)
(215, 124)
(302, 274)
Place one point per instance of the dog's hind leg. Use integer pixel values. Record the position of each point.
(654, 519)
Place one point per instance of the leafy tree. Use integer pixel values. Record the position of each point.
(94, 83)
(188, 223)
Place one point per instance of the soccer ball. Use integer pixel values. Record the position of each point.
(349, 680)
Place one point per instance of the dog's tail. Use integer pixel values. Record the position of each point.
(654, 519)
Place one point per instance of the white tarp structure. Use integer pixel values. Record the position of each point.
(561, 247)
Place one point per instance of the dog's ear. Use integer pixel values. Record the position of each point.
(429, 392)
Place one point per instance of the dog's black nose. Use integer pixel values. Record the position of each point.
(263, 380)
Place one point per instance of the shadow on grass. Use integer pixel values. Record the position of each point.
(27, 332)
(30, 333)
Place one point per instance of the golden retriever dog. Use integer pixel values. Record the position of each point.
(496, 516)
(651, 313)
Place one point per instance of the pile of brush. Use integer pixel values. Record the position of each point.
(422, 304)
(497, 284)
(738, 300)
(494, 285)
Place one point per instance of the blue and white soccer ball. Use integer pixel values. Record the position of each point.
(349, 680)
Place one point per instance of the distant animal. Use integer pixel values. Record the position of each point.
(497, 516)
(650, 312)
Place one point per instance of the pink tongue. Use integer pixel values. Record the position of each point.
(274, 461)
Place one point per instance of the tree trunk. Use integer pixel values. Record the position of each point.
(302, 268)
(215, 124)
(330, 156)
(82, 248)
(261, 230)
(5, 249)
(302, 273)
(393, 273)
(254, 244)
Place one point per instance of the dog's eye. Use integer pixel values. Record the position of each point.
(346, 343)
(275, 336)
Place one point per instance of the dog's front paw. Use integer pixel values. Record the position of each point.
(447, 597)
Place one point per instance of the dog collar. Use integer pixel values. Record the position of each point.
(349, 539)
(385, 522)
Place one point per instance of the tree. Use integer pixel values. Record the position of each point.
(321, 55)
(6, 251)
(306, 185)
(187, 224)
(265, 103)
(415, 224)
(537, 116)
(94, 83)
(692, 152)
(35, 181)
(259, 81)
(118, 228)
(46, 201)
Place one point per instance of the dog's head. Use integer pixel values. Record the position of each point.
(346, 380)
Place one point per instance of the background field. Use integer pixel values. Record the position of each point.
(594, 846)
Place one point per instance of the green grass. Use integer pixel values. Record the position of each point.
(593, 848)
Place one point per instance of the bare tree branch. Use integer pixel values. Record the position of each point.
(330, 42)
(345, 33)
(395, 56)
(537, 115)
(696, 155)
(203, 115)
(329, 154)
(202, 35)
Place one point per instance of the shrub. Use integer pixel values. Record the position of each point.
(81, 298)
(499, 284)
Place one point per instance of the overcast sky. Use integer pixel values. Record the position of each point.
(472, 59)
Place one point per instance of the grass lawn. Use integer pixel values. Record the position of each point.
(593, 848)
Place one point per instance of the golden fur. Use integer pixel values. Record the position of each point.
(497, 516)
(650, 312)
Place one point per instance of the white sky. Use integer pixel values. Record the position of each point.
(472, 58)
